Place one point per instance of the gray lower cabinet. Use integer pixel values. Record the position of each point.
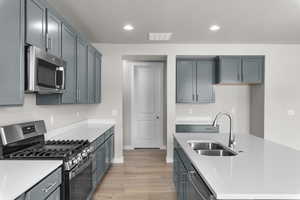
(82, 71)
(189, 184)
(91, 75)
(47, 189)
(103, 155)
(36, 23)
(53, 35)
(12, 52)
(240, 70)
(194, 81)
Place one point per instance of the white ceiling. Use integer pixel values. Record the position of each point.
(242, 21)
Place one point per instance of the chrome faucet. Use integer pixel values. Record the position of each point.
(231, 142)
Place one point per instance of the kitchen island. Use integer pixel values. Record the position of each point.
(261, 170)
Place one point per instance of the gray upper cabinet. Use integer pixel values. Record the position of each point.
(11, 52)
(53, 36)
(195, 80)
(252, 67)
(240, 70)
(69, 55)
(35, 23)
(82, 71)
(91, 75)
(229, 69)
(186, 81)
(205, 81)
(98, 77)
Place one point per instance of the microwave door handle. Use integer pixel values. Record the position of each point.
(62, 70)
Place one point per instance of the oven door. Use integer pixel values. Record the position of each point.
(80, 183)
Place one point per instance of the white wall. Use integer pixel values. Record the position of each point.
(282, 69)
(61, 115)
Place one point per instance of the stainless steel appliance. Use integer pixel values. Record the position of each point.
(45, 73)
(27, 141)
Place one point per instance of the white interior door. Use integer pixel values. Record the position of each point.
(147, 105)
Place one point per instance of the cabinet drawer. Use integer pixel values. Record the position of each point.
(43, 189)
(55, 195)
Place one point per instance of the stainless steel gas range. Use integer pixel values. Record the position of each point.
(27, 141)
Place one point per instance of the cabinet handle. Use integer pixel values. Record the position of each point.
(50, 43)
(48, 188)
(193, 97)
(197, 97)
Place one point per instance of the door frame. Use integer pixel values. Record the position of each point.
(161, 105)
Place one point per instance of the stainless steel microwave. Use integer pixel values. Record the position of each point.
(45, 73)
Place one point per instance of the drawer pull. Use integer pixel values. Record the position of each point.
(47, 189)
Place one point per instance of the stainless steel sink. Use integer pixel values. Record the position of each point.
(216, 152)
(206, 146)
(211, 149)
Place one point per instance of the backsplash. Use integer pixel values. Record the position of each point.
(233, 99)
(54, 116)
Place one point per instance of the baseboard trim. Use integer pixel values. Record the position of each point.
(169, 160)
(118, 160)
(128, 147)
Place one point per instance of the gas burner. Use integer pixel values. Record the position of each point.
(71, 152)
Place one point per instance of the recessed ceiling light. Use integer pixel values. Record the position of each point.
(214, 28)
(128, 27)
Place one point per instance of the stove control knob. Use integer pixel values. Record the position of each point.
(74, 161)
(84, 154)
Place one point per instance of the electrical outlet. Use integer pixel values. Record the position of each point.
(51, 119)
(291, 112)
(77, 114)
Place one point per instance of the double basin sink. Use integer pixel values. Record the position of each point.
(211, 149)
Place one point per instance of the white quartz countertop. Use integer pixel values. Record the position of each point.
(84, 130)
(264, 170)
(18, 176)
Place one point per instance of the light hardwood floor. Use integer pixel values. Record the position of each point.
(143, 176)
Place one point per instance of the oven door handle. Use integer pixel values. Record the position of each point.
(77, 170)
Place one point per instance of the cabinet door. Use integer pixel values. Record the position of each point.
(112, 149)
(229, 70)
(98, 77)
(100, 163)
(11, 52)
(69, 55)
(91, 74)
(35, 23)
(82, 72)
(205, 80)
(53, 39)
(186, 81)
(252, 67)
